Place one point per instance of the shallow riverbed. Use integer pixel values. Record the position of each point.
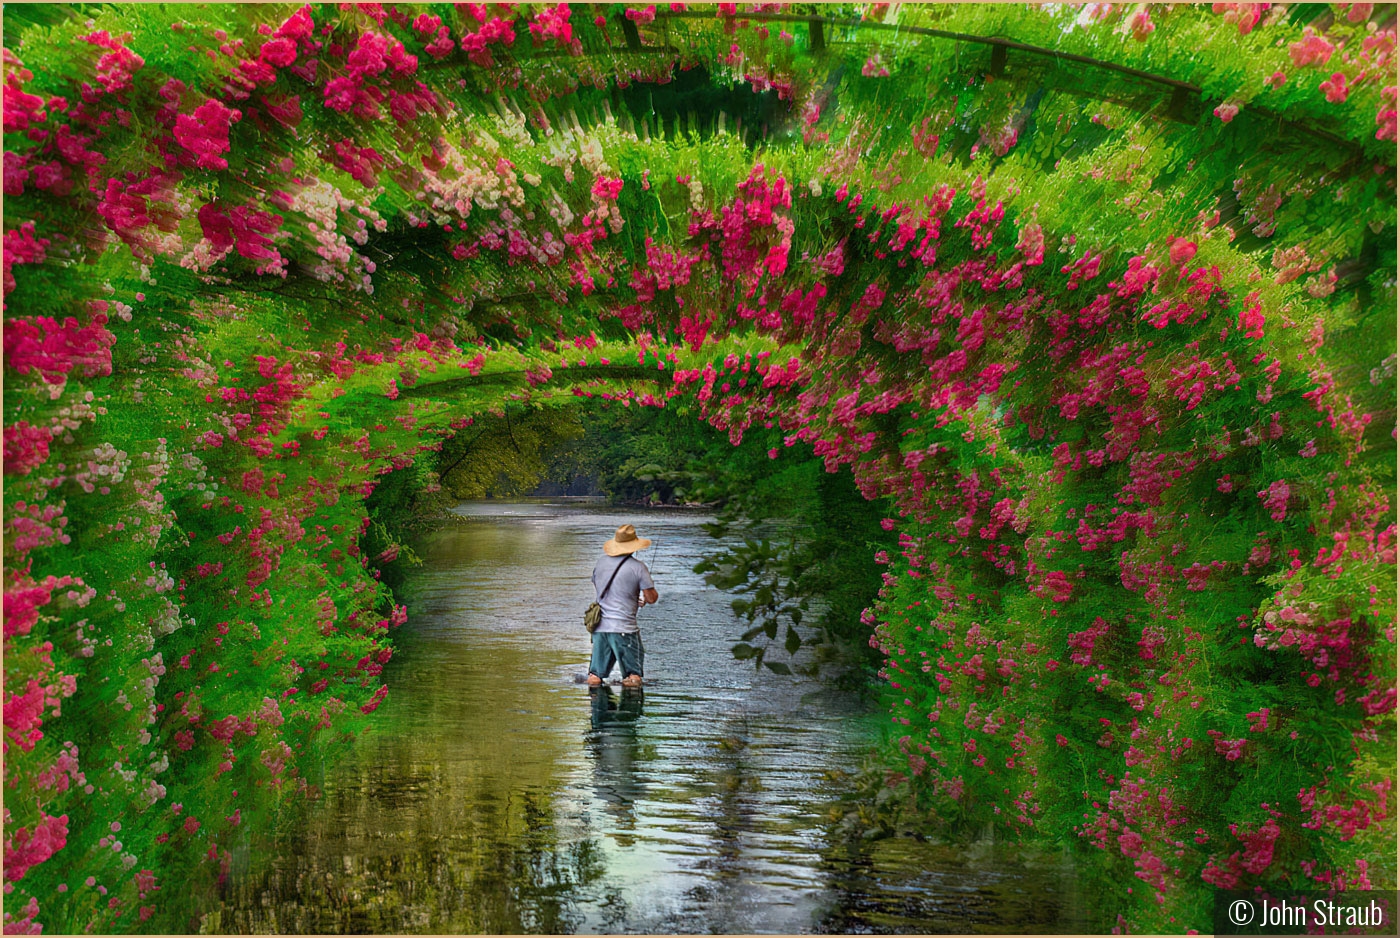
(497, 795)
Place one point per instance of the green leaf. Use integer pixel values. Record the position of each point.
(752, 633)
(793, 641)
(1304, 13)
(743, 651)
(777, 667)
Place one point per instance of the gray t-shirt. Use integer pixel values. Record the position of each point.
(620, 605)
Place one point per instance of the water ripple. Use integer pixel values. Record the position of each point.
(497, 795)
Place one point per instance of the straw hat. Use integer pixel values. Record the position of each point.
(625, 541)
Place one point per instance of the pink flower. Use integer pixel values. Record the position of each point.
(205, 133)
(279, 52)
(1231, 749)
(1198, 574)
(1252, 318)
(298, 26)
(1312, 49)
(26, 448)
(1084, 269)
(553, 23)
(1031, 244)
(362, 163)
(370, 55)
(1226, 112)
(1083, 642)
(375, 700)
(496, 30)
(1244, 15)
(114, 70)
(1275, 499)
(1141, 25)
(1058, 586)
(1335, 88)
(1181, 250)
(53, 349)
(25, 924)
(1358, 12)
(608, 188)
(442, 45)
(23, 108)
(874, 67)
(21, 247)
(27, 849)
(1379, 701)
(286, 110)
(16, 173)
(340, 93)
(1386, 115)
(240, 227)
(1258, 846)
(1218, 876)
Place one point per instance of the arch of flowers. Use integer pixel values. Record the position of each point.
(1102, 298)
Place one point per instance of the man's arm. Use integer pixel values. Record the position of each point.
(648, 596)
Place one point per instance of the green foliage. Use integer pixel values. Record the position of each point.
(210, 367)
(507, 454)
(801, 574)
(643, 455)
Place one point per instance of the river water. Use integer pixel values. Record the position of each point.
(497, 795)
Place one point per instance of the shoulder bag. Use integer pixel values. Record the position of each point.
(593, 615)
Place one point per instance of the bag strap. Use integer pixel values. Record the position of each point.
(614, 575)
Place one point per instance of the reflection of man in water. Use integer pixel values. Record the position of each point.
(613, 745)
(608, 710)
(624, 585)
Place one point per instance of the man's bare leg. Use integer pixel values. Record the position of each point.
(594, 680)
(632, 680)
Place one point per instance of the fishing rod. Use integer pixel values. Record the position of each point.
(656, 557)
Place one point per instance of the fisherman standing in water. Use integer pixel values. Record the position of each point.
(623, 584)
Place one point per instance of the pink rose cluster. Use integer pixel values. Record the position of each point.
(205, 133)
(553, 23)
(495, 31)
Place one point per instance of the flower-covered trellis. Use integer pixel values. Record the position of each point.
(1103, 297)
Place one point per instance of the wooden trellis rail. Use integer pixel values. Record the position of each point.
(1181, 90)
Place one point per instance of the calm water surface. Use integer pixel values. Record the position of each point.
(497, 795)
